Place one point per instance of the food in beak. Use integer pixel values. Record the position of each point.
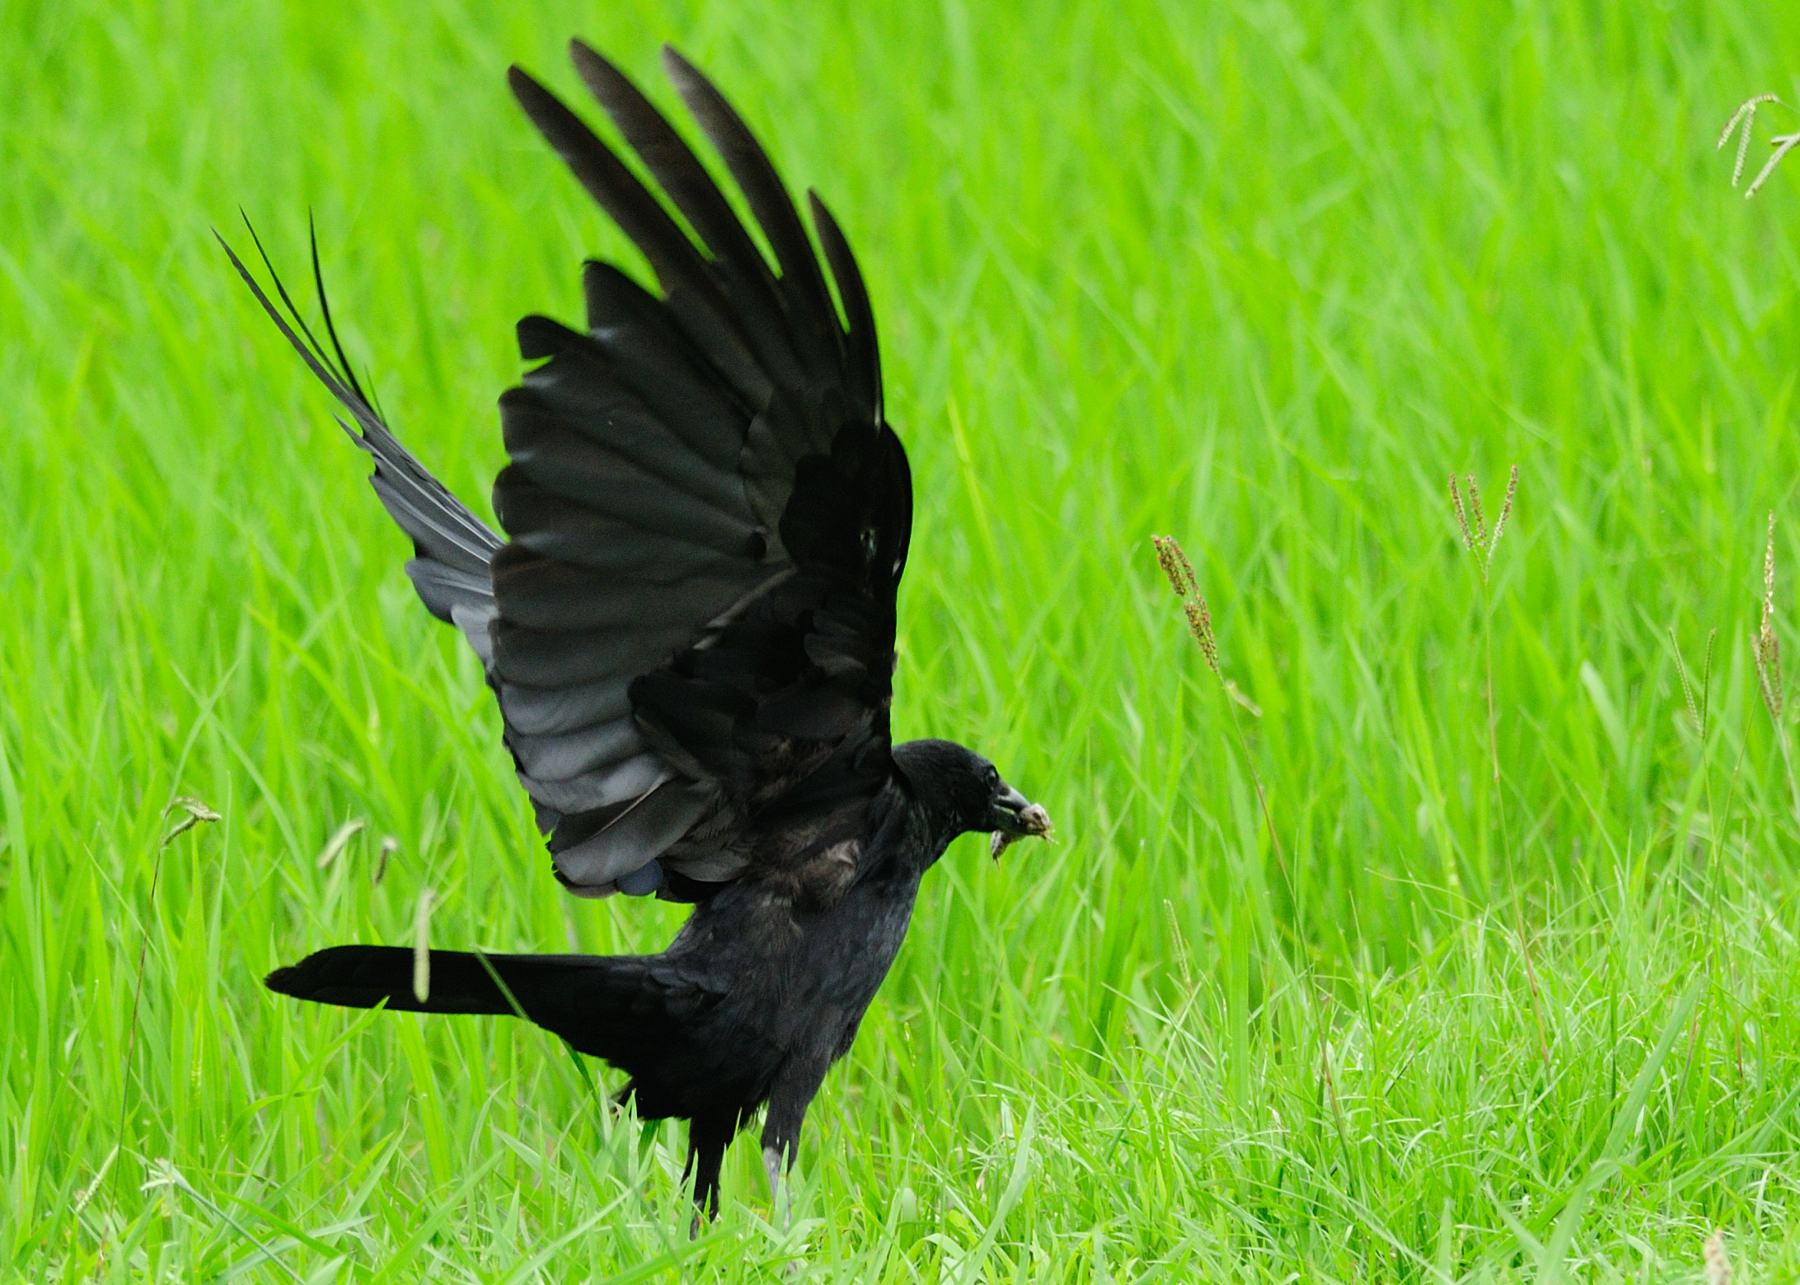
(1034, 820)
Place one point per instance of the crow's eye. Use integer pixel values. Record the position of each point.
(993, 778)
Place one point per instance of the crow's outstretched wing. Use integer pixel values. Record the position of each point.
(691, 627)
(708, 519)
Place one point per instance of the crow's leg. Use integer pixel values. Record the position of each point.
(793, 1093)
(781, 1204)
(707, 1138)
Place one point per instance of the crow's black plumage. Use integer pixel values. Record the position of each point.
(690, 632)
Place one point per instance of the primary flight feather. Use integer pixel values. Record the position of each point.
(689, 628)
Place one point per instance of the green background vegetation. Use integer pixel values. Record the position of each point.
(1260, 275)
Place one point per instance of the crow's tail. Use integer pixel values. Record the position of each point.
(617, 1007)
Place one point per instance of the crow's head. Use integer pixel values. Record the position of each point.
(963, 791)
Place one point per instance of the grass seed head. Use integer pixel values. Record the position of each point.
(1462, 520)
(1745, 114)
(1768, 606)
(1180, 573)
(1175, 565)
(1200, 625)
(1764, 645)
(1696, 702)
(1781, 144)
(1767, 651)
(194, 812)
(1506, 508)
(1481, 534)
(1472, 521)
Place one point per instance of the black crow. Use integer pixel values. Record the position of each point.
(690, 631)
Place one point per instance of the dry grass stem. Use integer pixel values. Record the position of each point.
(421, 978)
(1237, 695)
(339, 840)
(1718, 1265)
(389, 845)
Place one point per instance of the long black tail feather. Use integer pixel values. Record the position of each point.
(617, 1007)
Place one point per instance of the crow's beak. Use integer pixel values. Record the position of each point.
(1016, 817)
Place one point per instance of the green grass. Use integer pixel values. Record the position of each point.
(1261, 275)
